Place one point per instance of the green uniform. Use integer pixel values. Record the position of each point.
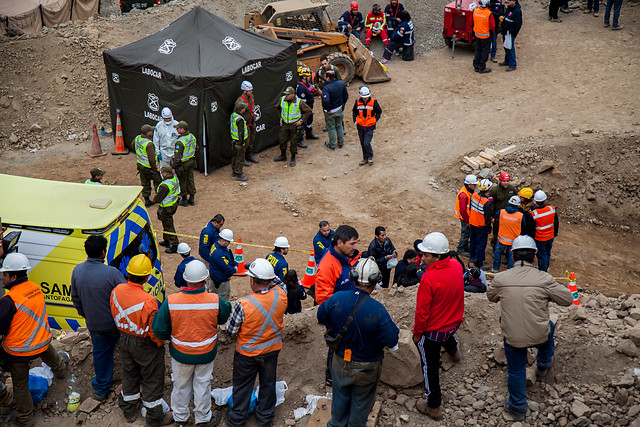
(501, 197)
(320, 78)
(146, 163)
(239, 138)
(290, 113)
(167, 198)
(249, 119)
(184, 162)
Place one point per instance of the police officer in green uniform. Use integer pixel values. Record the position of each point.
(249, 115)
(293, 113)
(167, 198)
(239, 139)
(147, 165)
(184, 162)
(96, 176)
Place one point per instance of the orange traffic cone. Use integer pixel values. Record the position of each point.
(239, 255)
(96, 149)
(310, 274)
(120, 148)
(573, 288)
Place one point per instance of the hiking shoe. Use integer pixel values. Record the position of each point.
(595, 15)
(565, 10)
(213, 422)
(164, 243)
(363, 162)
(191, 201)
(485, 70)
(241, 178)
(494, 60)
(302, 144)
(542, 371)
(503, 64)
(517, 416)
(100, 397)
(312, 136)
(510, 69)
(555, 20)
(172, 250)
(494, 271)
(15, 422)
(166, 420)
(183, 202)
(281, 158)
(371, 162)
(65, 357)
(423, 408)
(605, 25)
(385, 61)
(587, 11)
(292, 163)
(456, 357)
(619, 27)
(246, 163)
(250, 158)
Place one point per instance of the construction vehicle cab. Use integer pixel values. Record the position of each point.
(300, 14)
(458, 22)
(49, 221)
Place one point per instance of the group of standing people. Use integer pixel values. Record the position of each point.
(593, 6)
(488, 18)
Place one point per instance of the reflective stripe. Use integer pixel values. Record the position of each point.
(194, 344)
(205, 306)
(290, 111)
(130, 397)
(508, 240)
(268, 322)
(189, 142)
(125, 314)
(88, 181)
(153, 404)
(40, 323)
(365, 116)
(234, 127)
(140, 145)
(544, 218)
(544, 227)
(174, 190)
(537, 215)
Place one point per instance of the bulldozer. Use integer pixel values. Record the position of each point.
(307, 23)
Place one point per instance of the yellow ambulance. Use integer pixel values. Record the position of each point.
(52, 219)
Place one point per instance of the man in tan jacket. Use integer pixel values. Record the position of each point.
(525, 293)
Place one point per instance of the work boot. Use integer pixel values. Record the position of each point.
(172, 249)
(250, 158)
(192, 200)
(183, 201)
(363, 162)
(167, 419)
(292, 163)
(281, 158)
(15, 422)
(423, 408)
(485, 70)
(324, 129)
(213, 422)
(301, 144)
(247, 163)
(517, 416)
(370, 161)
(164, 243)
(456, 357)
(65, 357)
(312, 135)
(148, 202)
(240, 177)
(542, 371)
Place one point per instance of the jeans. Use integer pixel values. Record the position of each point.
(430, 358)
(354, 392)
(483, 46)
(497, 256)
(463, 244)
(593, 5)
(494, 44)
(510, 54)
(544, 254)
(366, 135)
(617, 5)
(104, 343)
(334, 128)
(517, 368)
(477, 244)
(327, 371)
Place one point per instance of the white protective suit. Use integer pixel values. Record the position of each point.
(164, 138)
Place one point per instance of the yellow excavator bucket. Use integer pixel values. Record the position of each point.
(367, 66)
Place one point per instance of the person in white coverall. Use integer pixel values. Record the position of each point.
(164, 137)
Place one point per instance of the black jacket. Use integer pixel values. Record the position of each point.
(512, 20)
(334, 95)
(380, 251)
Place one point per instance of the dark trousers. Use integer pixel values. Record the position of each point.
(146, 176)
(477, 244)
(327, 371)
(430, 357)
(554, 5)
(544, 254)
(354, 392)
(308, 128)
(289, 136)
(250, 147)
(165, 215)
(20, 376)
(483, 47)
(463, 243)
(239, 153)
(390, 48)
(245, 370)
(616, 5)
(386, 275)
(407, 53)
(142, 367)
(366, 135)
(104, 343)
(186, 178)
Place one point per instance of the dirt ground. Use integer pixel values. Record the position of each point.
(575, 75)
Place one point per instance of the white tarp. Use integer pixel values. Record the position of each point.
(29, 16)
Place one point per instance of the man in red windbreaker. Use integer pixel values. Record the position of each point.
(439, 311)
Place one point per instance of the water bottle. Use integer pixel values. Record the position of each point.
(73, 394)
(102, 131)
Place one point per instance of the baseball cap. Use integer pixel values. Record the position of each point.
(289, 91)
(147, 128)
(181, 124)
(166, 168)
(97, 172)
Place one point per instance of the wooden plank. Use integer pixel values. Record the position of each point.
(321, 415)
(493, 152)
(508, 150)
(487, 156)
(481, 162)
(471, 163)
(373, 415)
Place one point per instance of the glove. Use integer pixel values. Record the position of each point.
(159, 157)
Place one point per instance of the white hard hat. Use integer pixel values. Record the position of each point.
(471, 179)
(246, 85)
(523, 242)
(195, 272)
(540, 196)
(514, 200)
(485, 184)
(261, 269)
(434, 243)
(368, 271)
(281, 242)
(484, 3)
(226, 234)
(166, 113)
(15, 262)
(365, 91)
(183, 248)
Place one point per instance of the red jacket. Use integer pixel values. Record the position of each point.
(440, 304)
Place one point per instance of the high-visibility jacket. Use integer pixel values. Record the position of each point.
(194, 322)
(234, 127)
(189, 142)
(509, 227)
(140, 144)
(365, 116)
(372, 19)
(261, 331)
(476, 210)
(29, 332)
(290, 111)
(88, 181)
(133, 309)
(174, 190)
(457, 211)
(545, 220)
(481, 17)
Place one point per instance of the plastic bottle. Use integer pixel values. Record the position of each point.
(73, 394)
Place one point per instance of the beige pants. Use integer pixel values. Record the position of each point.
(223, 291)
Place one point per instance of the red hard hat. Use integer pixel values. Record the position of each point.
(354, 5)
(504, 176)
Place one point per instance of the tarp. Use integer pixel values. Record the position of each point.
(195, 67)
(30, 16)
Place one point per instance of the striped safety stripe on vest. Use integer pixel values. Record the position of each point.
(189, 307)
(40, 323)
(464, 190)
(365, 116)
(544, 219)
(189, 142)
(128, 324)
(174, 190)
(290, 111)
(509, 227)
(476, 210)
(268, 321)
(234, 127)
(140, 144)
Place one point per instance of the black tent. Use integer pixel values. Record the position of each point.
(195, 66)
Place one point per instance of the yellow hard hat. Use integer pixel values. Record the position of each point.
(304, 71)
(526, 193)
(140, 265)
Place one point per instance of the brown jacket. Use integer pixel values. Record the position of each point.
(524, 293)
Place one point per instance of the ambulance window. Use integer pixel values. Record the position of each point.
(142, 244)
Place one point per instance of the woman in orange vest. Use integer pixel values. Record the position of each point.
(483, 26)
(366, 113)
(510, 222)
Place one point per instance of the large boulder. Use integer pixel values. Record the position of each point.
(402, 368)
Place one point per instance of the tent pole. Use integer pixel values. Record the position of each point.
(204, 144)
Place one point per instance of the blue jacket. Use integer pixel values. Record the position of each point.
(512, 20)
(280, 265)
(222, 263)
(178, 279)
(303, 92)
(208, 236)
(370, 331)
(357, 21)
(321, 245)
(334, 95)
(403, 34)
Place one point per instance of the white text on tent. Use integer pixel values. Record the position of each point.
(251, 67)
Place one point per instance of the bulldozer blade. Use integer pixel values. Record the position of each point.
(367, 66)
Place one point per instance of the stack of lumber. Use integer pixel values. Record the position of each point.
(487, 158)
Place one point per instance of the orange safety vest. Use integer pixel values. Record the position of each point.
(133, 309)
(481, 23)
(476, 210)
(457, 211)
(365, 117)
(509, 227)
(544, 218)
(29, 332)
(261, 331)
(194, 322)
